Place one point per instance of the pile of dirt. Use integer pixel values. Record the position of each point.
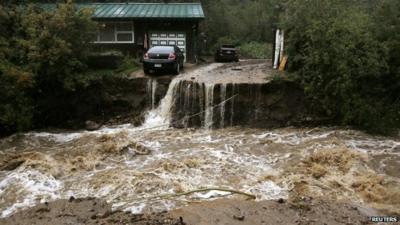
(232, 212)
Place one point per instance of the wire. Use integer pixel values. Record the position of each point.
(188, 117)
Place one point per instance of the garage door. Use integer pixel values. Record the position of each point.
(169, 38)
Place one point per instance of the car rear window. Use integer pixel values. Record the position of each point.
(228, 46)
(161, 49)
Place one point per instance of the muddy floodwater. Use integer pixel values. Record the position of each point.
(151, 167)
(129, 166)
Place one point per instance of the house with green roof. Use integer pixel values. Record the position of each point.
(135, 27)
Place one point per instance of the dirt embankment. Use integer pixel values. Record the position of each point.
(112, 100)
(232, 212)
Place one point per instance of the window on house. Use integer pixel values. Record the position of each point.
(118, 32)
(107, 33)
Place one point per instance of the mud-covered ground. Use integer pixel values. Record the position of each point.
(245, 71)
(232, 212)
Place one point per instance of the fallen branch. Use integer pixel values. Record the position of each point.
(250, 196)
(171, 196)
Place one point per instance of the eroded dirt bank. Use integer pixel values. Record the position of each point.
(214, 95)
(110, 100)
(232, 212)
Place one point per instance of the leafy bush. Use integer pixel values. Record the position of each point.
(41, 55)
(256, 50)
(342, 65)
(128, 65)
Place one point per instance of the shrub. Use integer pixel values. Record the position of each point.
(128, 65)
(342, 65)
(256, 50)
(41, 54)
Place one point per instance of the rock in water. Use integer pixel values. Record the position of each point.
(91, 125)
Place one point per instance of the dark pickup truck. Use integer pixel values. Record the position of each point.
(227, 53)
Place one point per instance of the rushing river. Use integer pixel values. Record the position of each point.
(128, 166)
(157, 162)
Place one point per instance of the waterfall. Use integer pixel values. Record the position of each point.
(222, 109)
(190, 104)
(209, 106)
(201, 101)
(232, 104)
(186, 104)
(153, 93)
(162, 114)
(151, 90)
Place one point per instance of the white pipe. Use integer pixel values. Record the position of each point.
(277, 49)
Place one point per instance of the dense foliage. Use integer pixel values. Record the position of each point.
(347, 59)
(255, 50)
(41, 56)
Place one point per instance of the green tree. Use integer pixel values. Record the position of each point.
(16, 107)
(341, 64)
(41, 55)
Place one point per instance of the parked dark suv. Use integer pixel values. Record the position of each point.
(163, 58)
(227, 53)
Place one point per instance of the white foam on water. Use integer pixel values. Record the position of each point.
(268, 190)
(65, 137)
(57, 137)
(135, 209)
(31, 185)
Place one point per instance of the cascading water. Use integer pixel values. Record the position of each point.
(161, 116)
(232, 105)
(223, 103)
(151, 91)
(209, 106)
(188, 99)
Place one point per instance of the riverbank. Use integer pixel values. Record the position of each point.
(232, 212)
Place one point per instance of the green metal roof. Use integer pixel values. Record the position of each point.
(141, 10)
